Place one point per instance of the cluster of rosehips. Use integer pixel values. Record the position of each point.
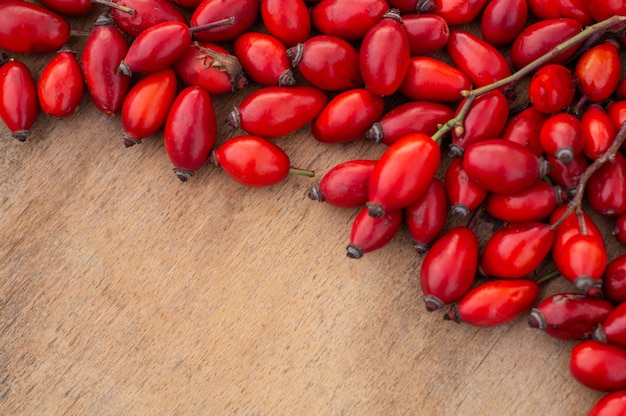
(520, 165)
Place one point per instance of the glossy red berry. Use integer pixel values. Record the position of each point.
(252, 161)
(614, 279)
(464, 194)
(598, 131)
(342, 19)
(277, 111)
(495, 302)
(385, 39)
(502, 166)
(567, 175)
(516, 250)
(554, 9)
(346, 185)
(456, 12)
(104, 49)
(430, 79)
(534, 203)
(190, 131)
(611, 404)
(503, 20)
(29, 28)
(598, 71)
(524, 128)
(561, 136)
(146, 105)
(613, 328)
(368, 234)
(569, 316)
(606, 188)
(608, 8)
(427, 32)
(412, 117)
(264, 59)
(552, 88)
(426, 217)
(599, 366)
(348, 116)
(288, 21)
(18, 98)
(449, 268)
(244, 12)
(327, 62)
(581, 260)
(147, 13)
(403, 173)
(61, 86)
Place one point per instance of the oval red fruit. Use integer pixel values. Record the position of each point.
(599, 366)
(18, 98)
(346, 185)
(368, 234)
(426, 217)
(61, 86)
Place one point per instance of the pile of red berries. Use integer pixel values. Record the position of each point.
(404, 73)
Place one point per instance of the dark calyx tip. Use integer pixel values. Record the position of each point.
(315, 193)
(598, 334)
(375, 133)
(565, 154)
(587, 284)
(536, 319)
(433, 303)
(421, 247)
(287, 78)
(354, 252)
(459, 210)
(130, 141)
(455, 150)
(233, 118)
(452, 314)
(295, 54)
(124, 69)
(183, 174)
(21, 135)
(375, 210)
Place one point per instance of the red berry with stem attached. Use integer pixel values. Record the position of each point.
(427, 32)
(456, 12)
(599, 366)
(614, 279)
(464, 195)
(567, 175)
(289, 21)
(29, 28)
(582, 260)
(598, 131)
(552, 88)
(382, 75)
(516, 250)
(253, 161)
(327, 62)
(368, 234)
(495, 302)
(613, 329)
(104, 49)
(598, 71)
(449, 268)
(61, 86)
(342, 19)
(244, 12)
(502, 166)
(569, 316)
(611, 404)
(264, 59)
(431, 79)
(561, 136)
(503, 20)
(146, 13)
(524, 128)
(346, 185)
(606, 188)
(190, 131)
(411, 117)
(426, 217)
(348, 116)
(277, 111)
(403, 173)
(146, 105)
(18, 98)
(534, 203)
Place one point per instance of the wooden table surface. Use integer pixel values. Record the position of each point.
(127, 292)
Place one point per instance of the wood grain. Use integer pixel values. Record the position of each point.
(127, 292)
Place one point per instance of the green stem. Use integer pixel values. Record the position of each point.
(114, 5)
(456, 123)
(301, 172)
(548, 276)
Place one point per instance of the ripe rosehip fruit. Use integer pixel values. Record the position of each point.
(368, 234)
(18, 98)
(252, 161)
(426, 217)
(503, 20)
(264, 59)
(552, 88)
(410, 117)
(524, 128)
(456, 12)
(599, 366)
(342, 19)
(516, 250)
(534, 203)
(288, 21)
(403, 173)
(61, 86)
(29, 28)
(146, 105)
(147, 13)
(569, 316)
(244, 12)
(567, 175)
(614, 279)
(495, 302)
(598, 71)
(606, 188)
(190, 131)
(277, 111)
(427, 33)
(211, 67)
(327, 62)
(348, 116)
(502, 166)
(448, 270)
(431, 79)
(104, 49)
(346, 185)
(598, 131)
(464, 195)
(382, 75)
(553, 9)
(613, 328)
(608, 8)
(561, 136)
(611, 404)
(582, 260)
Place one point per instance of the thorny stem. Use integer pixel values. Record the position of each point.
(575, 204)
